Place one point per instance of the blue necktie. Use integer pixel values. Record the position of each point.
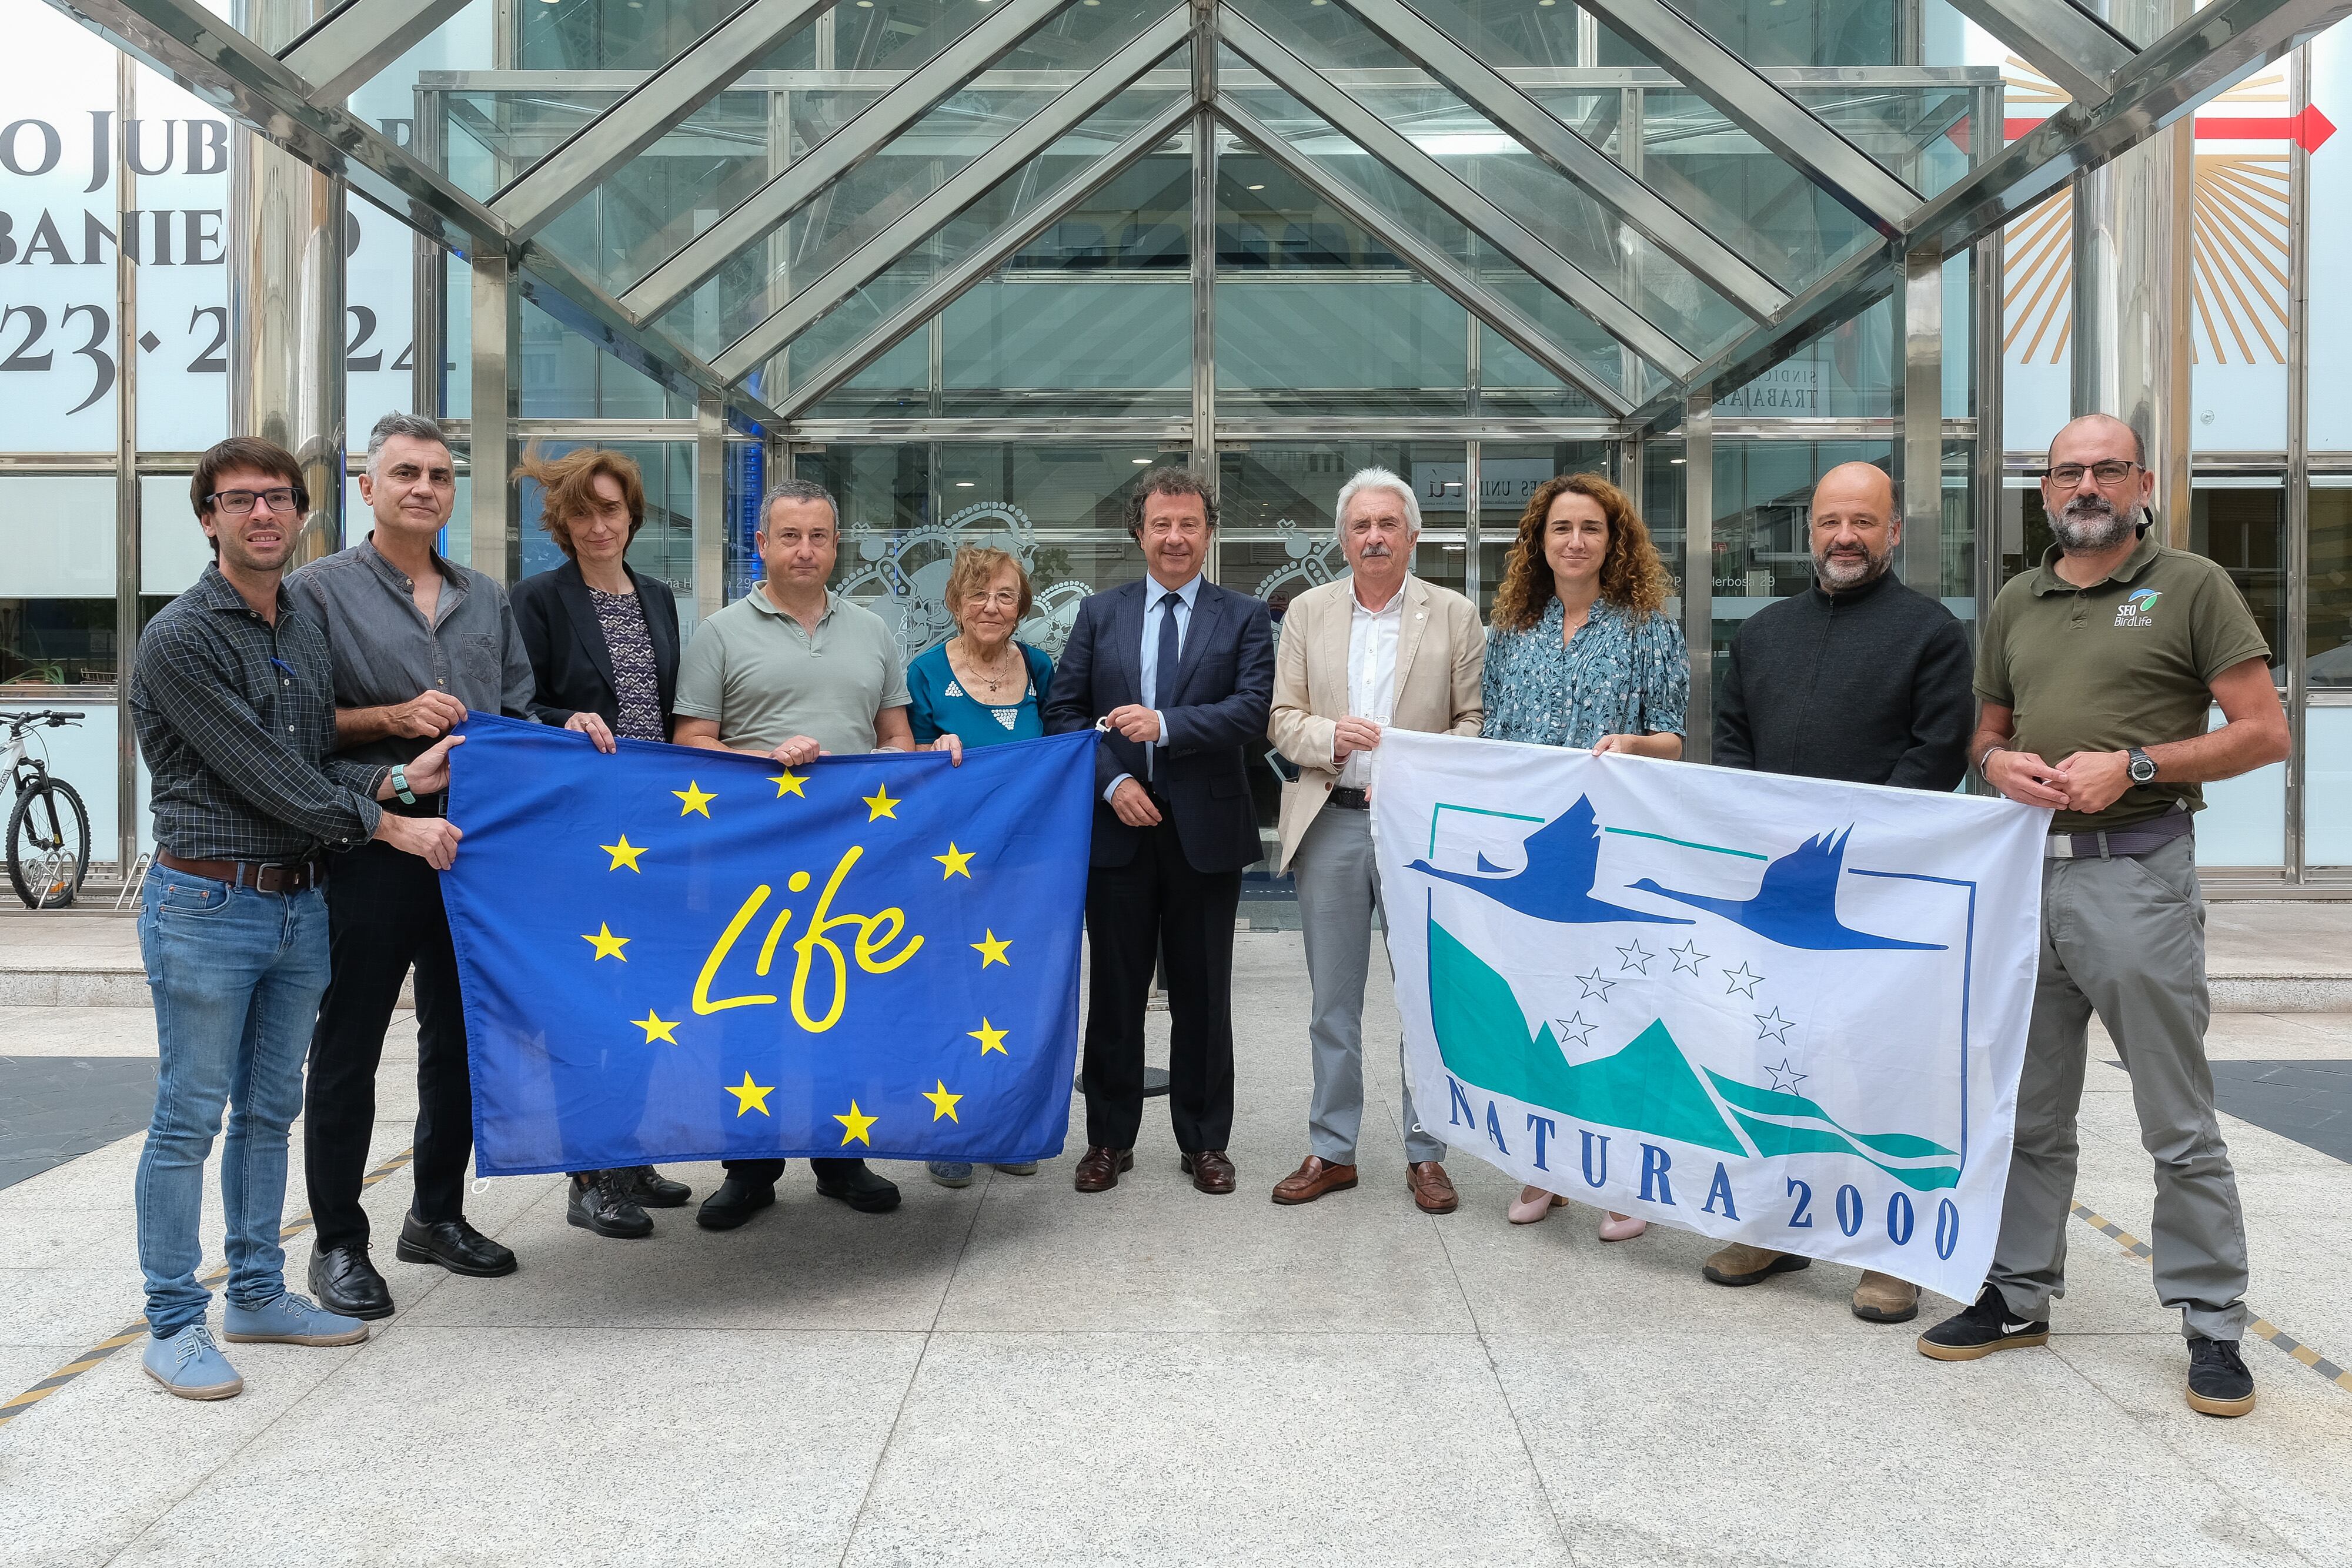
(1164, 680)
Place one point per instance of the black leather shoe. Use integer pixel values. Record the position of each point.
(859, 1187)
(605, 1202)
(346, 1282)
(455, 1245)
(654, 1190)
(734, 1202)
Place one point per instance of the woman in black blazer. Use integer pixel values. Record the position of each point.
(604, 647)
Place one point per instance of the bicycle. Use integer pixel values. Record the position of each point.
(49, 829)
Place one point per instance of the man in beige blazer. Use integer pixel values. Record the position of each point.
(1380, 650)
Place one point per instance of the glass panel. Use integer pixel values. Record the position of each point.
(389, 100)
(57, 583)
(917, 161)
(1767, 33)
(1137, 202)
(612, 35)
(56, 307)
(1788, 228)
(1570, 328)
(2327, 721)
(1314, 316)
(2328, 211)
(1848, 372)
(1467, 144)
(664, 547)
(2241, 251)
(664, 196)
(2245, 530)
(1511, 383)
(565, 375)
(906, 509)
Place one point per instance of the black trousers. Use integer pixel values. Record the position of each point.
(1157, 903)
(764, 1173)
(384, 914)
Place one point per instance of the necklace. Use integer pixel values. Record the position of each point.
(980, 672)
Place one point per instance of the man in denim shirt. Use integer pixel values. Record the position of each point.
(233, 699)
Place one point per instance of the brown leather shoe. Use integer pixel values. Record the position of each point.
(1740, 1264)
(1432, 1189)
(1315, 1177)
(1098, 1169)
(1210, 1170)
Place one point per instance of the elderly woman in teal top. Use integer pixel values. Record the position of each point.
(981, 686)
(1579, 653)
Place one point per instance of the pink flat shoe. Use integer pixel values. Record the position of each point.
(1621, 1228)
(1533, 1204)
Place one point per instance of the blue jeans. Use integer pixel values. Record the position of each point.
(236, 976)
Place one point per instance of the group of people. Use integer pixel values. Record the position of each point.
(298, 730)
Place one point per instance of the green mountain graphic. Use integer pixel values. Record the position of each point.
(1645, 1087)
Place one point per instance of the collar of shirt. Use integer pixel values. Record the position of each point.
(1847, 598)
(1394, 607)
(1189, 593)
(2047, 580)
(216, 592)
(767, 606)
(453, 581)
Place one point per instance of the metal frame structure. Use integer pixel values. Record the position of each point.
(2122, 95)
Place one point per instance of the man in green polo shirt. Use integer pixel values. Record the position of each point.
(2097, 671)
(789, 672)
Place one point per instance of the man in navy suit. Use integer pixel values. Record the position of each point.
(1180, 671)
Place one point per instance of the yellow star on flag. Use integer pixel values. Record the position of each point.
(608, 945)
(993, 951)
(879, 804)
(855, 1127)
(750, 1096)
(624, 853)
(656, 1027)
(942, 1102)
(990, 1038)
(696, 798)
(788, 783)
(958, 861)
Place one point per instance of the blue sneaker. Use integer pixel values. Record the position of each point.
(290, 1319)
(191, 1366)
(950, 1173)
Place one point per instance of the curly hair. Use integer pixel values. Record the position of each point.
(1632, 575)
(570, 484)
(975, 566)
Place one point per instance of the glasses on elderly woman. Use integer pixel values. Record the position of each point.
(993, 598)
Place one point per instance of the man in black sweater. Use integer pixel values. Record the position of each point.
(1858, 679)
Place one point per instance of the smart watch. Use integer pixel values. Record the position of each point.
(2141, 765)
(400, 784)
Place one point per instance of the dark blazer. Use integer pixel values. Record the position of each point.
(1224, 688)
(559, 630)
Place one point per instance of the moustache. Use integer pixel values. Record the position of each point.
(1377, 551)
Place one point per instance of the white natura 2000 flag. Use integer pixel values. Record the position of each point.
(1771, 1009)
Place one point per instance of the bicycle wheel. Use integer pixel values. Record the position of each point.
(48, 845)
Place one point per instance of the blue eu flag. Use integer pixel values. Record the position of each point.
(681, 955)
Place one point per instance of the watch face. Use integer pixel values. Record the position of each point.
(2142, 770)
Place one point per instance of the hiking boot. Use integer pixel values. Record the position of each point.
(1740, 1264)
(1884, 1298)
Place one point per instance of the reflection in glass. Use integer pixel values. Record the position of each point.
(2244, 530)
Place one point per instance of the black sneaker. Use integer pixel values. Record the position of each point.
(652, 1189)
(1986, 1327)
(2218, 1383)
(605, 1202)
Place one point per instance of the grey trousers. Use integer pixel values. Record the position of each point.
(2126, 938)
(1338, 889)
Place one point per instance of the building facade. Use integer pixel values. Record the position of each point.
(977, 265)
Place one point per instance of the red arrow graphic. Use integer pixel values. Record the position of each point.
(2309, 131)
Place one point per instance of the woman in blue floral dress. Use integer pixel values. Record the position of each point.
(1581, 652)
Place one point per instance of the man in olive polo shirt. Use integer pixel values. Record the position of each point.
(789, 672)
(2097, 671)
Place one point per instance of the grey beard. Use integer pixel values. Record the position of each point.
(1836, 575)
(2088, 526)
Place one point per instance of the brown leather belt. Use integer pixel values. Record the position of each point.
(299, 877)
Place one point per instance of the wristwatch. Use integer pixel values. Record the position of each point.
(400, 784)
(2140, 765)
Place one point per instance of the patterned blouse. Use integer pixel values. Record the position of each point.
(1623, 675)
(621, 618)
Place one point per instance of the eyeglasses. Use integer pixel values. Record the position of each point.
(239, 503)
(2066, 476)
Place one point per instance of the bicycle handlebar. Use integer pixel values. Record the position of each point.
(53, 717)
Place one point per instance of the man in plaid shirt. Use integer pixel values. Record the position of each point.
(233, 698)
